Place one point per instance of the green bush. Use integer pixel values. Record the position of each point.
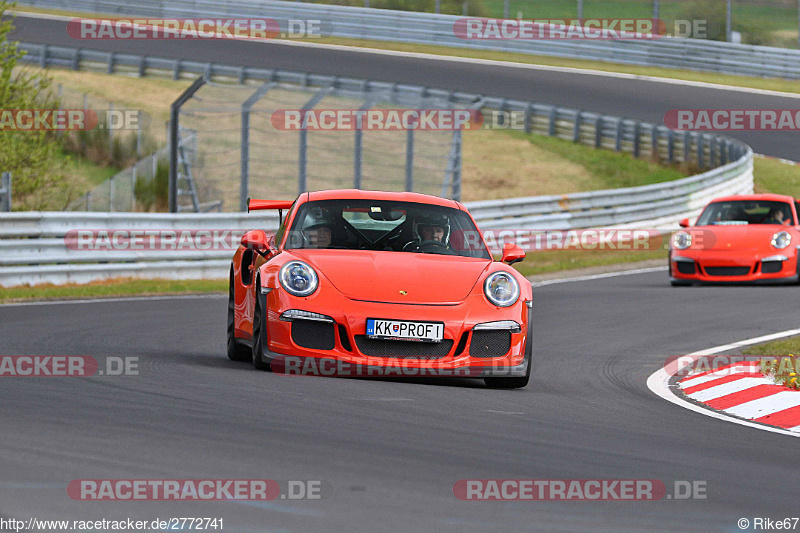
(155, 192)
(711, 11)
(32, 156)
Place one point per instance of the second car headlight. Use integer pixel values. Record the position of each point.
(501, 289)
(781, 240)
(298, 278)
(681, 240)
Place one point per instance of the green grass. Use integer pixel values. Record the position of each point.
(773, 176)
(109, 288)
(613, 170)
(785, 365)
(545, 262)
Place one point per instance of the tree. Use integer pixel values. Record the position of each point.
(32, 156)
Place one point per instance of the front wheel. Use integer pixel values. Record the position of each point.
(259, 333)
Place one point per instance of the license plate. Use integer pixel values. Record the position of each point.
(404, 330)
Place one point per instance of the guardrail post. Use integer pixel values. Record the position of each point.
(5, 189)
(700, 150)
(551, 123)
(712, 155)
(670, 146)
(410, 159)
(528, 117)
(637, 132)
(43, 59)
(576, 130)
(457, 166)
(654, 142)
(618, 135)
(598, 132)
(687, 146)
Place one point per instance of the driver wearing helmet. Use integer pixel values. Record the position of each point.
(317, 228)
(430, 231)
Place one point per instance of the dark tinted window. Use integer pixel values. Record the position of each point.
(386, 226)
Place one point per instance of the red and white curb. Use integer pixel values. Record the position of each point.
(739, 394)
(742, 390)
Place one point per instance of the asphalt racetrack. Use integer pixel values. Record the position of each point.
(641, 99)
(389, 452)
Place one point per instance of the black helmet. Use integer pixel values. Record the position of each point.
(432, 220)
(317, 217)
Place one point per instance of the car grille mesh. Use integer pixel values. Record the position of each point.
(490, 343)
(314, 335)
(685, 267)
(771, 267)
(403, 349)
(727, 271)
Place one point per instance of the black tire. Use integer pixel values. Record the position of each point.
(259, 333)
(236, 351)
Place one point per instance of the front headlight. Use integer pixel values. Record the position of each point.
(681, 240)
(298, 278)
(501, 289)
(781, 240)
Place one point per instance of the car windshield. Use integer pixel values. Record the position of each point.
(404, 227)
(741, 212)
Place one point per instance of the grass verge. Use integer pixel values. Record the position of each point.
(111, 288)
(784, 367)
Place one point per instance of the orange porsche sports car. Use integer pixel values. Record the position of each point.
(360, 282)
(739, 238)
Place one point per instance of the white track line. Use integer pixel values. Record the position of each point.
(476, 61)
(658, 383)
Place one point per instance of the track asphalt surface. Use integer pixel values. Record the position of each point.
(391, 451)
(641, 99)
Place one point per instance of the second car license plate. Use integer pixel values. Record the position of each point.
(381, 328)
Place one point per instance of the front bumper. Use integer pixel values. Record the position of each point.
(720, 266)
(332, 340)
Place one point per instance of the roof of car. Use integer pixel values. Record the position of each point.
(771, 197)
(358, 194)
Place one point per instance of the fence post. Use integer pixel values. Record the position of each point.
(576, 130)
(174, 113)
(637, 132)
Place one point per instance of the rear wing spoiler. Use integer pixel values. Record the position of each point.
(256, 205)
(280, 205)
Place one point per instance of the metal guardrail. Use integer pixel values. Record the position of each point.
(5, 192)
(34, 247)
(435, 29)
(45, 247)
(651, 206)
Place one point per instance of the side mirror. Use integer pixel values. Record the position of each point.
(512, 253)
(256, 239)
(684, 223)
